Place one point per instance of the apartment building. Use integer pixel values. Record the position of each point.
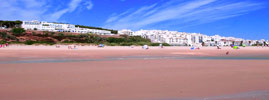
(59, 27)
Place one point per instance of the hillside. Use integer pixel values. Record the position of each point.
(29, 37)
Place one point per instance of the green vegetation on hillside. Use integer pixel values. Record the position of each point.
(127, 41)
(30, 42)
(17, 31)
(5, 37)
(10, 24)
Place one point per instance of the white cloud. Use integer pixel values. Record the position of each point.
(179, 12)
(115, 17)
(89, 5)
(12, 9)
(128, 14)
(73, 5)
(36, 9)
(57, 15)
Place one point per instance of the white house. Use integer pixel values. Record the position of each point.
(126, 32)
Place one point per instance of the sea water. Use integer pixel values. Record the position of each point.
(253, 95)
(60, 60)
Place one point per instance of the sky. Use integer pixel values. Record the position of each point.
(248, 19)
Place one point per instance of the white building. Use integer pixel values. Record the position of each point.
(160, 36)
(2, 27)
(57, 27)
(185, 39)
(126, 32)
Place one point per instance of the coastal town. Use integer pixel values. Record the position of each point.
(173, 38)
(191, 39)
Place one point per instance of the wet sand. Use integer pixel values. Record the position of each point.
(146, 77)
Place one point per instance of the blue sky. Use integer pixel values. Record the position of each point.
(247, 19)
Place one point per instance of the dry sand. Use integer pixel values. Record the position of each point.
(132, 79)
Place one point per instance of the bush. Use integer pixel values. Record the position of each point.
(158, 44)
(139, 43)
(17, 31)
(83, 35)
(155, 44)
(52, 33)
(115, 40)
(61, 35)
(29, 42)
(71, 36)
(3, 35)
(16, 42)
(166, 44)
(67, 41)
(46, 33)
(111, 44)
(33, 33)
(126, 44)
(3, 42)
(12, 37)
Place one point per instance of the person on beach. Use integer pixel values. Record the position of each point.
(6, 44)
(57, 46)
(145, 47)
(218, 47)
(161, 45)
(232, 46)
(227, 53)
(69, 47)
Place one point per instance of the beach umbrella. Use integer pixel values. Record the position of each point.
(235, 47)
(101, 45)
(192, 48)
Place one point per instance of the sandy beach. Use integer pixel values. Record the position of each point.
(125, 73)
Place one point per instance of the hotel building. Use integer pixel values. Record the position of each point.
(58, 27)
